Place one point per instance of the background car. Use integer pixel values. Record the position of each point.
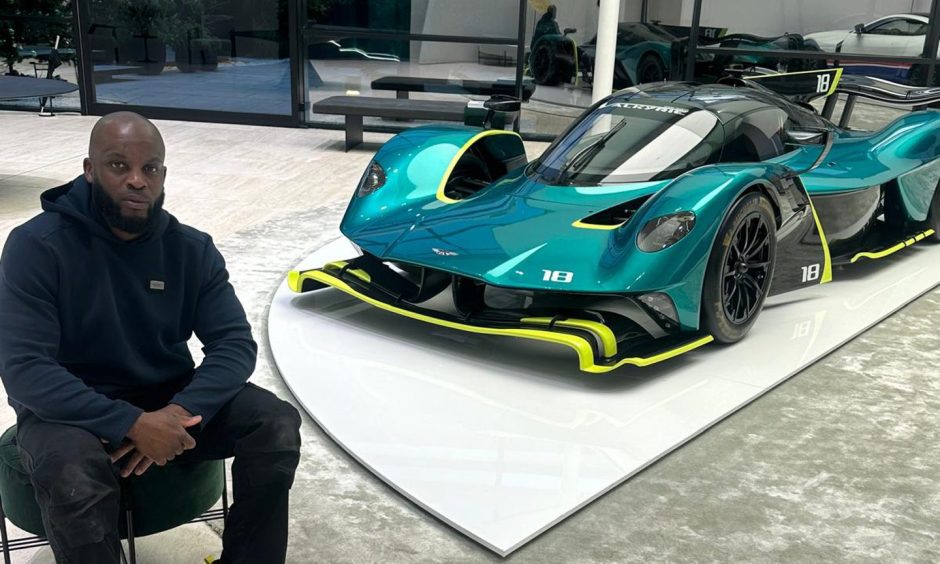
(898, 35)
(650, 52)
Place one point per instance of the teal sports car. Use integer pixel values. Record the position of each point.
(659, 221)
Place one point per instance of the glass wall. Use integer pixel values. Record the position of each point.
(448, 50)
(28, 34)
(209, 55)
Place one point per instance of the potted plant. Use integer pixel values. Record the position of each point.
(145, 19)
(185, 31)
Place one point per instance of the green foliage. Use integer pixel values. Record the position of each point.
(177, 22)
(22, 23)
(144, 17)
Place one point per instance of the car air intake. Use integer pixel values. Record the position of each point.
(470, 175)
(615, 216)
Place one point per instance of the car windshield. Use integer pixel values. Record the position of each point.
(631, 142)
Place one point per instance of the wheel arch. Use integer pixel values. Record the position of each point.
(711, 193)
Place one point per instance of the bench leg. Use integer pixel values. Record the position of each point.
(353, 131)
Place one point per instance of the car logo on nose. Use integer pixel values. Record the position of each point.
(443, 252)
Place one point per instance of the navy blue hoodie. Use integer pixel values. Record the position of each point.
(87, 320)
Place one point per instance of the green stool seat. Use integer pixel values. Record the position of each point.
(163, 498)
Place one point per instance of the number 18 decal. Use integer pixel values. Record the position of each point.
(557, 276)
(810, 272)
(822, 82)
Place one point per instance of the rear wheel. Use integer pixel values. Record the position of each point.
(650, 69)
(544, 66)
(739, 269)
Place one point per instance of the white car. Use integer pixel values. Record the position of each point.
(900, 35)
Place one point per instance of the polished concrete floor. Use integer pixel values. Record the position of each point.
(838, 464)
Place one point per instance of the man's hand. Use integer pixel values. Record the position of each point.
(137, 464)
(158, 436)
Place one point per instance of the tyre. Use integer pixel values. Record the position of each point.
(650, 69)
(544, 66)
(739, 270)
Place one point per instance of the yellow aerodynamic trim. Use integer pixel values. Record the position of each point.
(581, 225)
(827, 259)
(672, 353)
(456, 159)
(579, 344)
(294, 281)
(603, 332)
(895, 248)
(832, 85)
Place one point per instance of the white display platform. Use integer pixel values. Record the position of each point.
(502, 438)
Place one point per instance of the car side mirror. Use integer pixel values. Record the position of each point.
(859, 28)
(503, 104)
(570, 30)
(805, 137)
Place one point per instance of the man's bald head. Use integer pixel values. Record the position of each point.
(117, 125)
(126, 172)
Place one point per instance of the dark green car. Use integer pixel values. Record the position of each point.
(646, 53)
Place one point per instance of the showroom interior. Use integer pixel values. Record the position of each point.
(813, 438)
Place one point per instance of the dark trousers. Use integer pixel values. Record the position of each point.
(79, 496)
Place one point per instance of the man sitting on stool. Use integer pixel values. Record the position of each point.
(99, 295)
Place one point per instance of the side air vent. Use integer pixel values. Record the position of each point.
(491, 155)
(470, 175)
(613, 217)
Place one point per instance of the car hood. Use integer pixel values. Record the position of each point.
(509, 234)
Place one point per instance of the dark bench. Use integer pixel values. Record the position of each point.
(402, 85)
(354, 107)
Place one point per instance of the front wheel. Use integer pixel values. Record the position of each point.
(739, 269)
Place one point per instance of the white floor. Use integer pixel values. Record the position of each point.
(502, 439)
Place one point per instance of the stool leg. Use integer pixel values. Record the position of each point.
(129, 516)
(130, 535)
(224, 495)
(3, 534)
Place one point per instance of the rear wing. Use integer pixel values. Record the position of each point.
(888, 92)
(807, 85)
(800, 86)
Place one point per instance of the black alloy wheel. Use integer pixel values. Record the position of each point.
(740, 269)
(746, 272)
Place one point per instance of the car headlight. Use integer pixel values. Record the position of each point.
(665, 231)
(372, 180)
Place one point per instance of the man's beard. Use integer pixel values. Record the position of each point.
(111, 211)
